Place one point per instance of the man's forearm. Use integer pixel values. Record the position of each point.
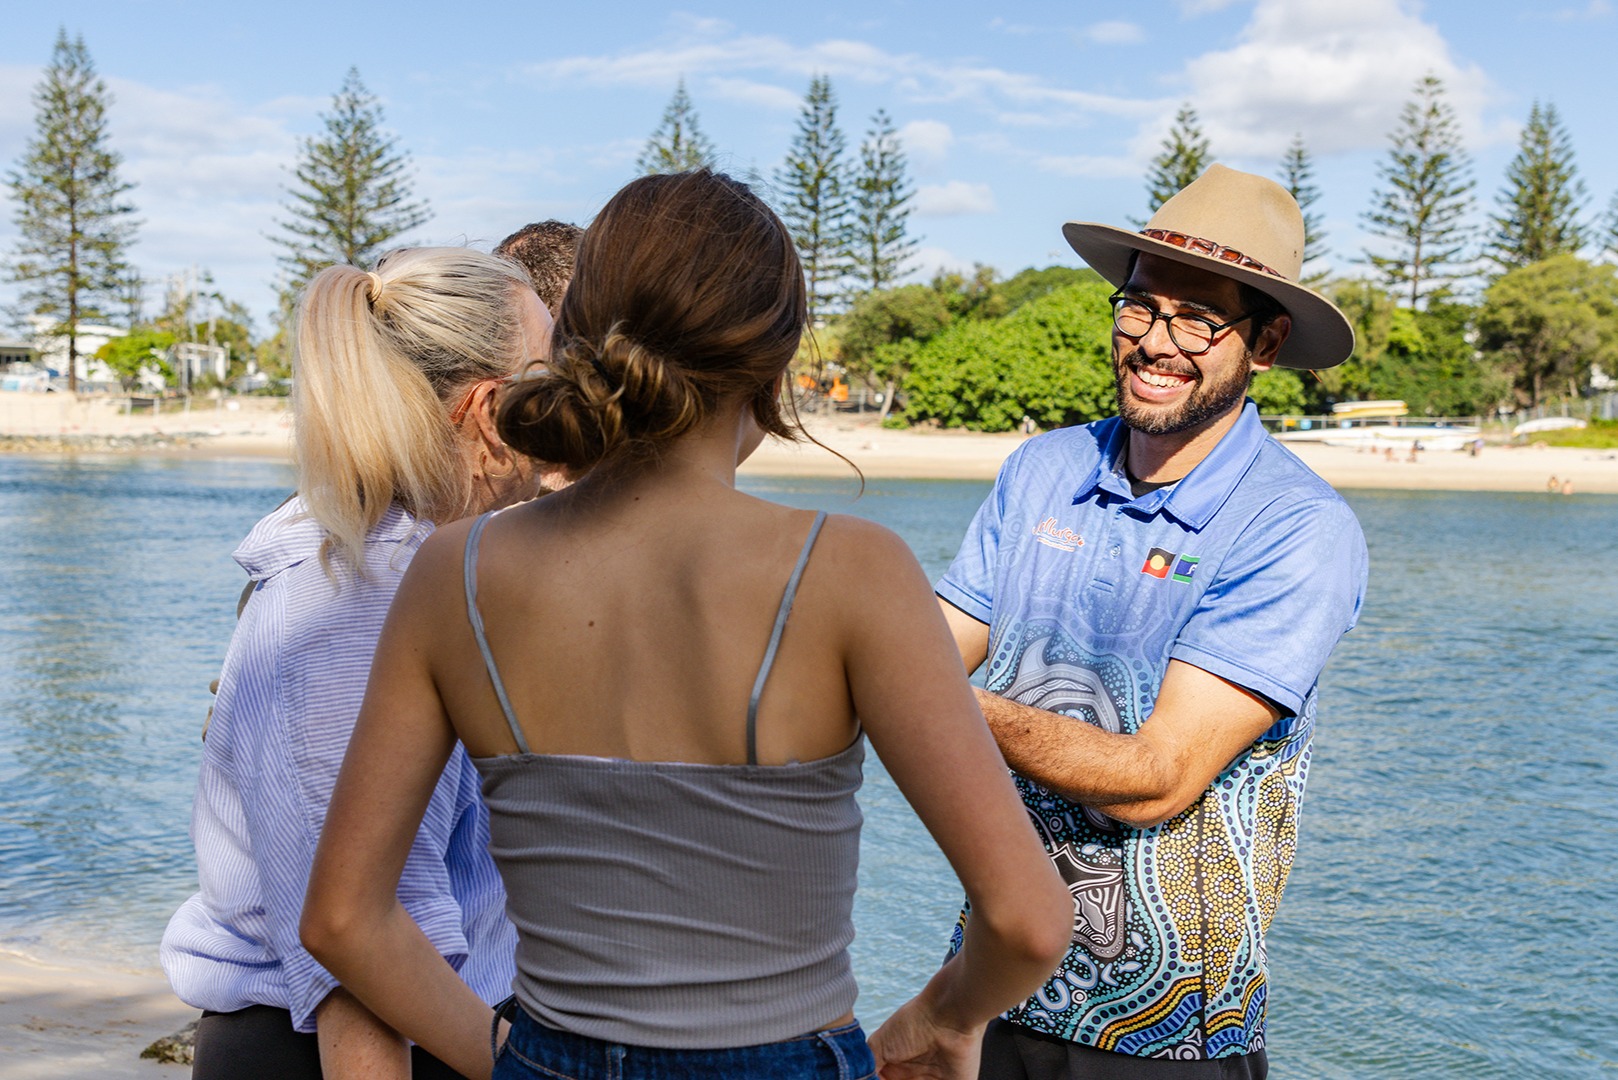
(1077, 760)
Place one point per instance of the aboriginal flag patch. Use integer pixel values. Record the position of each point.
(1158, 563)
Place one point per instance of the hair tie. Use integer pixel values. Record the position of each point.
(374, 292)
(606, 376)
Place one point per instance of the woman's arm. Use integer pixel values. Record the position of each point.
(353, 921)
(911, 694)
(354, 1044)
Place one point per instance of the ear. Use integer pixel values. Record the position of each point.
(1268, 344)
(482, 416)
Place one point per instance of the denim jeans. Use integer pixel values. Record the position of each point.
(535, 1052)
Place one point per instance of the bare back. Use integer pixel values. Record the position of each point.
(634, 628)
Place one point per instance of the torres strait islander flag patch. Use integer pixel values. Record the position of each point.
(1166, 564)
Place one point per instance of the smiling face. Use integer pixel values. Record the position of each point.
(1163, 390)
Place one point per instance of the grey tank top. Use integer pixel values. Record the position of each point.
(676, 904)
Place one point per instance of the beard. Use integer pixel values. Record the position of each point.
(1207, 400)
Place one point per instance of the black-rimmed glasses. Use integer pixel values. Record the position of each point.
(1191, 334)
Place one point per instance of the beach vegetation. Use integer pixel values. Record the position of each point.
(1596, 435)
(353, 195)
(1549, 322)
(813, 187)
(1298, 177)
(142, 348)
(1421, 210)
(1539, 206)
(880, 243)
(678, 144)
(1184, 155)
(1050, 360)
(73, 222)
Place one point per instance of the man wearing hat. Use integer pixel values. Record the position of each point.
(1156, 595)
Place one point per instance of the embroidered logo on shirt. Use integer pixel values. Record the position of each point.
(1166, 564)
(1051, 534)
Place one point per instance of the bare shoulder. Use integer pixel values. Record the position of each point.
(864, 546)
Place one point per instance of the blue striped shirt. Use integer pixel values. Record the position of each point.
(291, 688)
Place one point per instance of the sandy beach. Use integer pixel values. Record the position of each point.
(61, 1020)
(260, 427)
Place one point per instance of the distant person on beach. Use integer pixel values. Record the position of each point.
(1156, 595)
(393, 398)
(667, 686)
(546, 250)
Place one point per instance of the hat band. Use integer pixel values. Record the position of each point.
(1207, 247)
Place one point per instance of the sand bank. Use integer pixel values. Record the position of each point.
(260, 427)
(967, 455)
(62, 1019)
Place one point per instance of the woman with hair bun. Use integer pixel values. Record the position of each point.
(394, 376)
(666, 685)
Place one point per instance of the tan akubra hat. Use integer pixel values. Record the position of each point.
(1244, 227)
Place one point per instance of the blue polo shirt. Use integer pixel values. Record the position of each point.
(1251, 568)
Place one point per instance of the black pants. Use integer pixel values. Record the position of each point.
(258, 1043)
(1014, 1052)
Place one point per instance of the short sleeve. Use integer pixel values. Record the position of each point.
(968, 584)
(1290, 588)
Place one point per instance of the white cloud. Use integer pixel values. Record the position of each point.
(928, 262)
(754, 60)
(926, 142)
(1203, 7)
(1593, 11)
(1115, 32)
(753, 92)
(1089, 167)
(1005, 26)
(954, 199)
(1339, 73)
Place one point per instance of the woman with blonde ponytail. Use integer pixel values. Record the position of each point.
(395, 376)
(667, 685)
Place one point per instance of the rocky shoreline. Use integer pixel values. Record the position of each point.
(98, 444)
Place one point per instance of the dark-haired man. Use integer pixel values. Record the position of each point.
(546, 250)
(1156, 595)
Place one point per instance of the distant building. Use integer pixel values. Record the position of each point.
(52, 349)
(192, 360)
(16, 352)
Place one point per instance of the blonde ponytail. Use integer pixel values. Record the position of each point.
(377, 355)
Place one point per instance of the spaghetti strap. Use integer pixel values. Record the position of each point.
(775, 639)
(470, 565)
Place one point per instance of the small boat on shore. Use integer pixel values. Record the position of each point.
(1379, 425)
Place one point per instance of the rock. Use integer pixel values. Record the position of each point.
(179, 1048)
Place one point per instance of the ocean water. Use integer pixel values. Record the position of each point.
(1449, 915)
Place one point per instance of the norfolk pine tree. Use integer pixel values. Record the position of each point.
(353, 192)
(73, 223)
(813, 189)
(1422, 210)
(1185, 155)
(882, 195)
(678, 144)
(1540, 203)
(1297, 176)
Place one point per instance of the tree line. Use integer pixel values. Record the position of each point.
(1450, 318)
(351, 198)
(1454, 319)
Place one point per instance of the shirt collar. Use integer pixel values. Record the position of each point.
(1197, 497)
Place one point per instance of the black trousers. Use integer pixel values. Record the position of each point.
(1014, 1052)
(258, 1043)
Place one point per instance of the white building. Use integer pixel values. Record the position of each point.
(52, 349)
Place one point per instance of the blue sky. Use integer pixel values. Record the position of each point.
(1014, 122)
